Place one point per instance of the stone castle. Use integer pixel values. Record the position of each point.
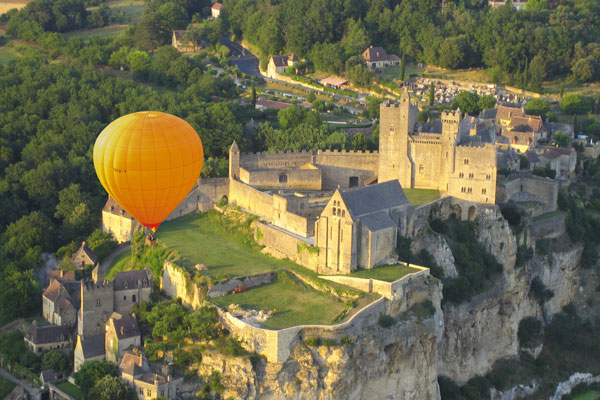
(336, 211)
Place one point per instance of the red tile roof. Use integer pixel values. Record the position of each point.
(378, 54)
(216, 6)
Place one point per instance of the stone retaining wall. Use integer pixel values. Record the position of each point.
(224, 288)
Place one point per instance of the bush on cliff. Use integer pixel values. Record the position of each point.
(530, 331)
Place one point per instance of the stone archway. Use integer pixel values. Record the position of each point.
(472, 214)
(457, 211)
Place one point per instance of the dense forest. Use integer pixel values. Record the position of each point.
(548, 43)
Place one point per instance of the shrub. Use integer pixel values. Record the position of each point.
(511, 214)
(330, 342)
(346, 341)
(439, 226)
(313, 341)
(524, 254)
(424, 309)
(539, 291)
(386, 321)
(530, 330)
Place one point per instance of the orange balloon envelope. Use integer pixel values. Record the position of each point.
(148, 162)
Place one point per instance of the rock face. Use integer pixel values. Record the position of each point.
(403, 361)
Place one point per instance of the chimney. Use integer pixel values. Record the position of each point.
(122, 212)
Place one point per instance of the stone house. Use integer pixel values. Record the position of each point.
(122, 333)
(278, 64)
(518, 4)
(358, 228)
(185, 46)
(60, 275)
(215, 10)
(131, 288)
(118, 221)
(58, 306)
(505, 113)
(84, 256)
(561, 160)
(148, 384)
(40, 338)
(377, 57)
(88, 348)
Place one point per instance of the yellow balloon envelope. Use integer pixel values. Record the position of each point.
(148, 162)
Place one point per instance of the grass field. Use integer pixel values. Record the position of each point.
(297, 303)
(105, 31)
(120, 263)
(470, 75)
(394, 72)
(125, 11)
(389, 273)
(421, 196)
(200, 240)
(6, 387)
(587, 396)
(71, 389)
(7, 55)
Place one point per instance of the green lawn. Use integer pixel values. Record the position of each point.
(199, 239)
(6, 387)
(7, 55)
(70, 389)
(295, 302)
(125, 11)
(587, 396)
(105, 31)
(394, 72)
(421, 196)
(388, 273)
(120, 263)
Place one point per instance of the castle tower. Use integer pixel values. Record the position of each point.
(234, 161)
(396, 121)
(97, 301)
(450, 123)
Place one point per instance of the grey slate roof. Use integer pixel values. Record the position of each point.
(85, 254)
(490, 113)
(93, 346)
(132, 279)
(42, 334)
(377, 221)
(370, 199)
(126, 327)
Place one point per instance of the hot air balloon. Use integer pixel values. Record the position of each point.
(148, 162)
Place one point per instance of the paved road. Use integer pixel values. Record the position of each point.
(105, 265)
(242, 58)
(34, 392)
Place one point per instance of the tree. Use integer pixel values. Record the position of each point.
(454, 52)
(538, 70)
(118, 58)
(20, 294)
(468, 103)
(29, 232)
(431, 94)
(360, 142)
(538, 107)
(92, 372)
(75, 209)
(171, 16)
(355, 38)
(403, 67)
(110, 388)
(56, 360)
(486, 102)
(253, 97)
(102, 243)
(536, 5)
(575, 104)
(585, 70)
(140, 63)
(561, 138)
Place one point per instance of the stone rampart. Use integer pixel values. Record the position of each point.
(389, 290)
(224, 288)
(250, 199)
(282, 244)
(275, 160)
(551, 225)
(305, 178)
(544, 190)
(346, 168)
(277, 345)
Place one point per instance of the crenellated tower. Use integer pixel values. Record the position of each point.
(234, 161)
(97, 304)
(450, 124)
(397, 121)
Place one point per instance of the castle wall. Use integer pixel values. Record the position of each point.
(338, 166)
(294, 223)
(307, 179)
(474, 178)
(546, 190)
(381, 244)
(427, 156)
(549, 225)
(283, 245)
(250, 199)
(278, 160)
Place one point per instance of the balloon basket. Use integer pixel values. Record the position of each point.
(150, 240)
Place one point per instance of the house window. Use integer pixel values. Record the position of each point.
(461, 175)
(392, 128)
(302, 206)
(483, 191)
(98, 304)
(334, 211)
(471, 176)
(470, 190)
(124, 298)
(133, 298)
(149, 393)
(466, 161)
(283, 178)
(421, 169)
(488, 177)
(125, 285)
